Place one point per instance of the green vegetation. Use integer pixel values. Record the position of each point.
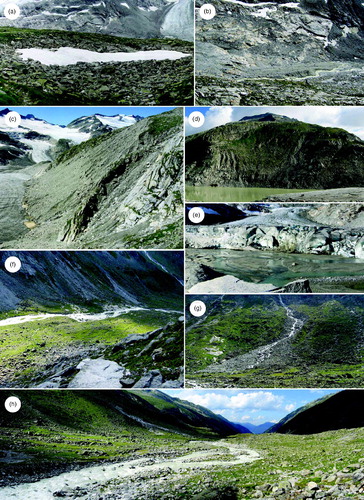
(163, 122)
(318, 375)
(168, 360)
(276, 153)
(171, 236)
(78, 428)
(326, 350)
(332, 333)
(232, 333)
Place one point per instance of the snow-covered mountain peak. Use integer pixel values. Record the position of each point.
(37, 140)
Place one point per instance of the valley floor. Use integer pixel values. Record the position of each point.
(327, 465)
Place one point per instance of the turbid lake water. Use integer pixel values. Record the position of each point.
(231, 194)
(279, 269)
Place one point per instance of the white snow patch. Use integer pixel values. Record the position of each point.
(264, 12)
(125, 5)
(65, 56)
(291, 5)
(42, 127)
(118, 121)
(40, 150)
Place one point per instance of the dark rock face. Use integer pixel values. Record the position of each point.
(281, 52)
(87, 278)
(344, 410)
(134, 18)
(269, 151)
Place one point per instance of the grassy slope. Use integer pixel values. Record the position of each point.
(27, 348)
(238, 332)
(276, 155)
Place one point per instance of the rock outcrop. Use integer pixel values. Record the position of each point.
(91, 278)
(335, 230)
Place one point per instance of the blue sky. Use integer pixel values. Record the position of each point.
(255, 406)
(350, 118)
(64, 115)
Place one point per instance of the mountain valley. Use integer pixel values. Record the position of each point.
(92, 319)
(149, 444)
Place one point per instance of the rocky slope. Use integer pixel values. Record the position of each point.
(134, 18)
(119, 190)
(276, 152)
(343, 410)
(80, 81)
(287, 341)
(281, 52)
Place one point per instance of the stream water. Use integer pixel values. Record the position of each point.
(112, 312)
(91, 477)
(264, 352)
(256, 357)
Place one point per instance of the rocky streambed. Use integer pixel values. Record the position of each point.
(113, 479)
(266, 356)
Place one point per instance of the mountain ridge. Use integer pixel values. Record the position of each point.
(344, 409)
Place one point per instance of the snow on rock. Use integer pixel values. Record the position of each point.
(65, 56)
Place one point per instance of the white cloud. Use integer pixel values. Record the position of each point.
(214, 117)
(262, 400)
(290, 407)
